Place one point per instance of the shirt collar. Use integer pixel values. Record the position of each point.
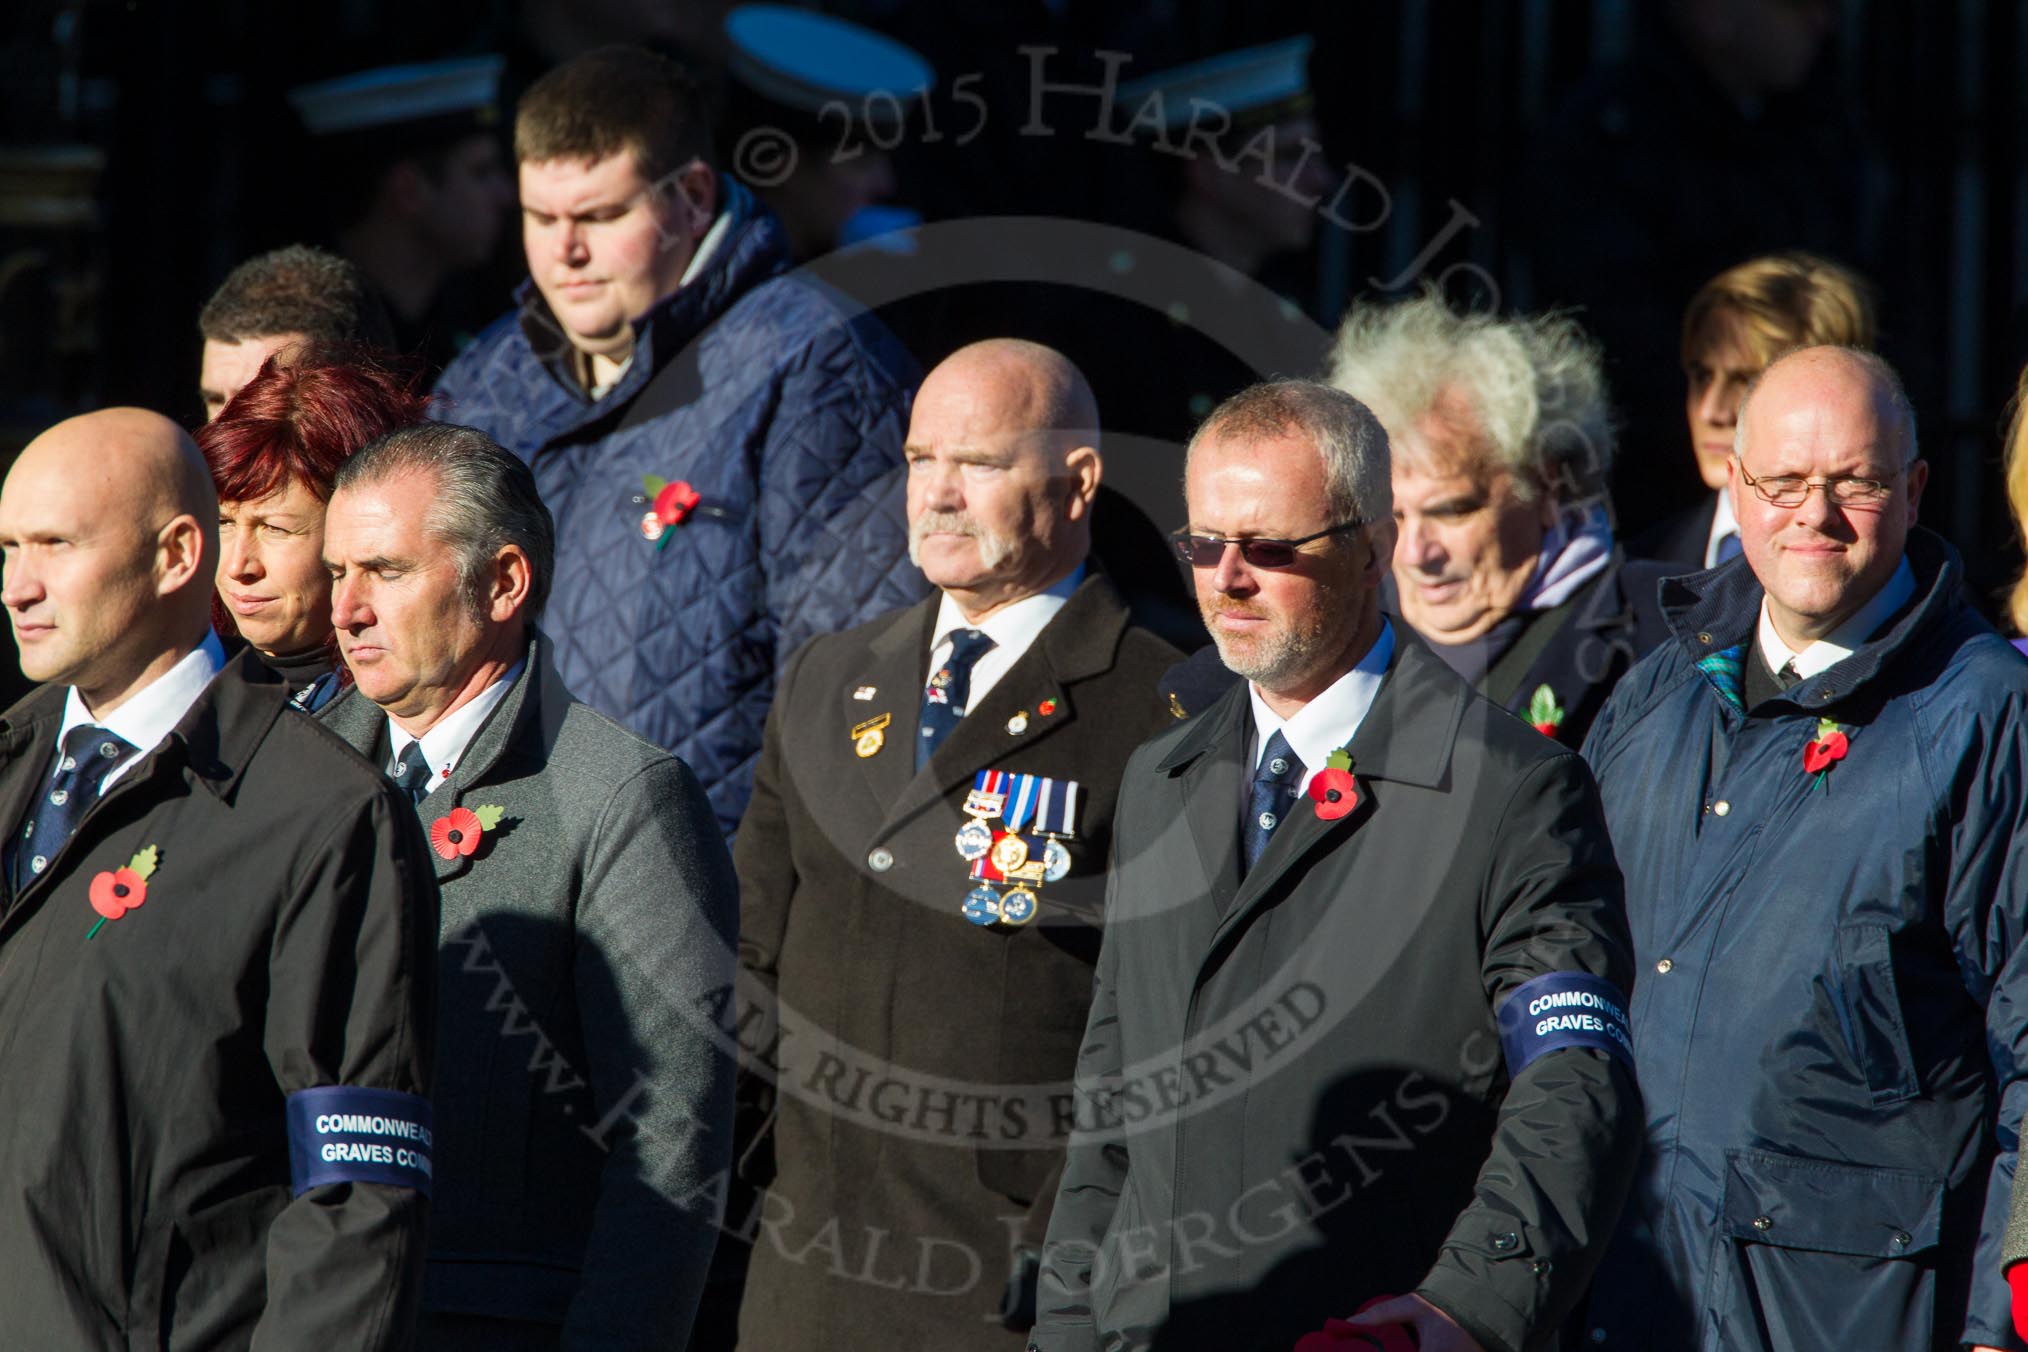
(1330, 720)
(153, 711)
(445, 744)
(1847, 638)
(706, 248)
(1723, 523)
(1013, 627)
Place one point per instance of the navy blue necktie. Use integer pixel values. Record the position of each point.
(1729, 546)
(89, 753)
(1274, 789)
(412, 772)
(950, 686)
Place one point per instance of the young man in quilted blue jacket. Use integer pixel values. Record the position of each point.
(718, 441)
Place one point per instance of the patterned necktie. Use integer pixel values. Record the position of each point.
(944, 698)
(89, 753)
(412, 772)
(1787, 676)
(1274, 788)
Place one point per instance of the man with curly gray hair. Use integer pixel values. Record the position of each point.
(1505, 560)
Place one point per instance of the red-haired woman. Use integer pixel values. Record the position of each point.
(273, 453)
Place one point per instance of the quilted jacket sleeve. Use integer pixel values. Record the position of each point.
(834, 536)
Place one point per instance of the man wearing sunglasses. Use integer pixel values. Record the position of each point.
(1357, 1036)
(1814, 790)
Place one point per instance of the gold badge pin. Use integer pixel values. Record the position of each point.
(1176, 705)
(870, 736)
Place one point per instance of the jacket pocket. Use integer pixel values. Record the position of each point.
(1869, 1008)
(1816, 1254)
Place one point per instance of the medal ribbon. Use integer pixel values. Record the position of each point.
(1056, 814)
(1021, 797)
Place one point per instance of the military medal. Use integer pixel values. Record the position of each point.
(975, 840)
(982, 905)
(1010, 852)
(1055, 860)
(870, 736)
(1025, 848)
(1017, 906)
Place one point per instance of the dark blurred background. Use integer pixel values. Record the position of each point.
(1603, 154)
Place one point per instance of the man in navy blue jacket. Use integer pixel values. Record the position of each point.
(718, 441)
(1814, 789)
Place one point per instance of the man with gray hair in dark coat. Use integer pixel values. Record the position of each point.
(589, 913)
(1357, 1053)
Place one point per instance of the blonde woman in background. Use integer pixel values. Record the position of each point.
(1734, 327)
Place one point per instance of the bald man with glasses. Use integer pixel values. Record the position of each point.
(1814, 790)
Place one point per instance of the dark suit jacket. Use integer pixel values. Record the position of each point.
(282, 945)
(1679, 540)
(1292, 1093)
(585, 1101)
(924, 1062)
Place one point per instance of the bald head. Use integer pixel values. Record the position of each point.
(1826, 483)
(1024, 386)
(1003, 467)
(110, 528)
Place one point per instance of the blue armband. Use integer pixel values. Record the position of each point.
(1565, 1009)
(340, 1134)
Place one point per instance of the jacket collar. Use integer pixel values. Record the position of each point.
(213, 743)
(533, 709)
(754, 249)
(1407, 737)
(1080, 641)
(1713, 615)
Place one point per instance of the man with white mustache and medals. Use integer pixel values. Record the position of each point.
(926, 845)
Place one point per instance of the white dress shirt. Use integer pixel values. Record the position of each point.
(447, 741)
(1012, 629)
(1326, 722)
(1843, 641)
(152, 712)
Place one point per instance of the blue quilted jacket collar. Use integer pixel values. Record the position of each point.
(754, 249)
(1713, 615)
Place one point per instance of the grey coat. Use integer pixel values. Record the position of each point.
(1292, 1090)
(585, 1096)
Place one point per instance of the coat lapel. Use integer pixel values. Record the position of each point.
(895, 673)
(1406, 737)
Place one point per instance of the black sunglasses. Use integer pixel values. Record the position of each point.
(1204, 551)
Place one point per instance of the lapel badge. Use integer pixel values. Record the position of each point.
(1046, 708)
(1176, 706)
(870, 736)
(1018, 724)
(864, 692)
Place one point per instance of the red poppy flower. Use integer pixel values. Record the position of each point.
(1336, 793)
(675, 502)
(456, 832)
(1546, 728)
(1046, 708)
(1818, 755)
(114, 894)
